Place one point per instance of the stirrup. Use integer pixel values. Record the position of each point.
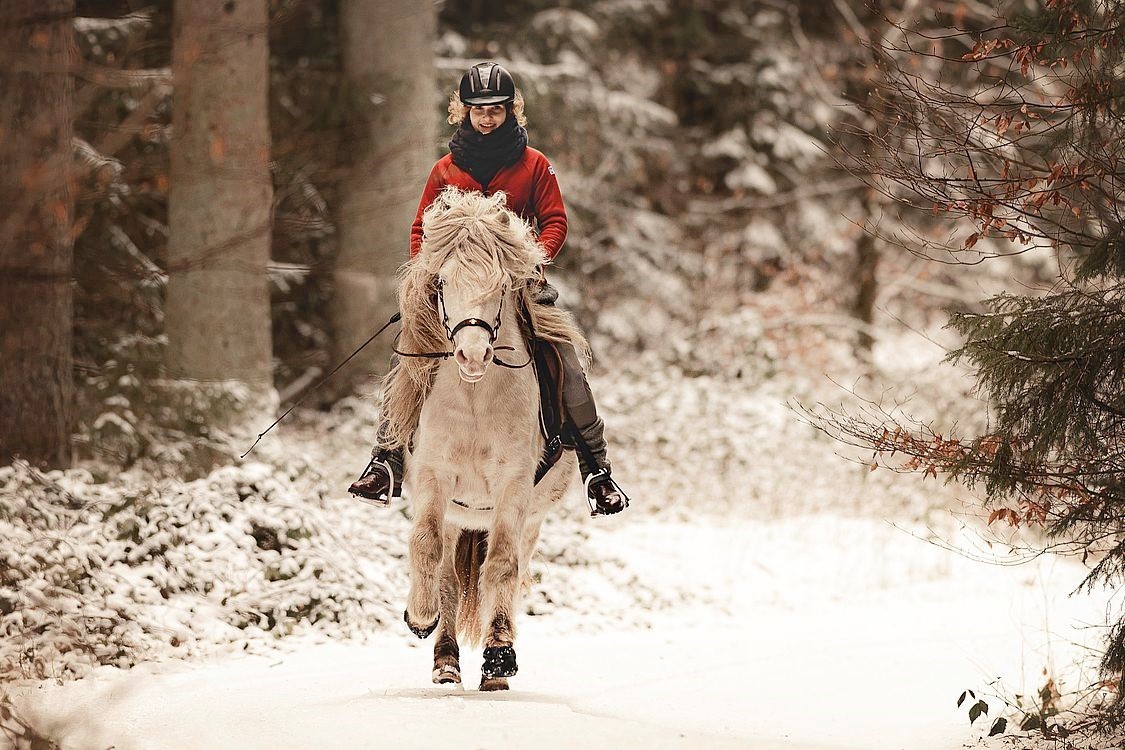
(598, 475)
(378, 502)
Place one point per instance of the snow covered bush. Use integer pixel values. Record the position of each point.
(97, 574)
(129, 413)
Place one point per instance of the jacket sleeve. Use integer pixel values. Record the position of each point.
(434, 186)
(549, 210)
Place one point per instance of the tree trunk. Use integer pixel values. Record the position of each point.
(864, 76)
(866, 280)
(217, 313)
(388, 60)
(36, 207)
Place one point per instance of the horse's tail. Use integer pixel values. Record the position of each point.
(471, 548)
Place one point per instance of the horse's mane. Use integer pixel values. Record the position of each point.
(492, 247)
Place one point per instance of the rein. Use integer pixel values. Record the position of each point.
(393, 319)
(447, 355)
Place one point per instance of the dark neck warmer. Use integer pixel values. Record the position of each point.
(482, 156)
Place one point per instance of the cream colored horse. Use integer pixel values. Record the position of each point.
(477, 440)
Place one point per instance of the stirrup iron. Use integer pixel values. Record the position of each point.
(379, 502)
(598, 475)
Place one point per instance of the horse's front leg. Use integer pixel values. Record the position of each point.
(421, 613)
(447, 665)
(500, 584)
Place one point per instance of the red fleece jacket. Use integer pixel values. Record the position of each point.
(529, 184)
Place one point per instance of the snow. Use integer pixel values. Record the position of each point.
(819, 632)
(762, 592)
(751, 176)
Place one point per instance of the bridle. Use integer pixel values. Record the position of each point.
(492, 329)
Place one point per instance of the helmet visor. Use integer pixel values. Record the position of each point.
(486, 98)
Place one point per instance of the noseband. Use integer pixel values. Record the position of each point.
(492, 329)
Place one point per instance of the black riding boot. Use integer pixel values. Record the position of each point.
(604, 495)
(382, 479)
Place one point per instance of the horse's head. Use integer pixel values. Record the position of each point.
(474, 253)
(471, 314)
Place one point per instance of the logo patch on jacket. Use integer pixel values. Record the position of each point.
(550, 169)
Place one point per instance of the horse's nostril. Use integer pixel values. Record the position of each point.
(471, 364)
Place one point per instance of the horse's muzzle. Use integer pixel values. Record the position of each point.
(473, 360)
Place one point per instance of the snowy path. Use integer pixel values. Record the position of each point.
(377, 695)
(851, 634)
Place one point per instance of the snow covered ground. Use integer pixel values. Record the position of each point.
(762, 593)
(820, 632)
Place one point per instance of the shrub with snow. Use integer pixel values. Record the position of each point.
(113, 573)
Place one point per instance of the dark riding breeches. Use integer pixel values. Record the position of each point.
(577, 396)
(580, 406)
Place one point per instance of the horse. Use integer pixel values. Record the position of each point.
(470, 420)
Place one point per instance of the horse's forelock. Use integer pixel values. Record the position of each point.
(490, 246)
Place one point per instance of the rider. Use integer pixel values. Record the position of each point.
(489, 153)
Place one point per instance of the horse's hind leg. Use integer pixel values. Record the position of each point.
(447, 665)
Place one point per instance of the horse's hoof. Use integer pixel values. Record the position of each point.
(489, 684)
(499, 661)
(422, 632)
(447, 674)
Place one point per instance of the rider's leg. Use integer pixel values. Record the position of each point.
(382, 479)
(583, 414)
(578, 400)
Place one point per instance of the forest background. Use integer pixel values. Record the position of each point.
(204, 204)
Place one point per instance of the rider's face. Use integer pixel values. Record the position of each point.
(487, 117)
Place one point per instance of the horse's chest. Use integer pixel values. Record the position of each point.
(472, 458)
(476, 436)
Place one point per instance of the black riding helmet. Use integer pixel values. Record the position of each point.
(487, 83)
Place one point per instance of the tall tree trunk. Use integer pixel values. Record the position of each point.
(863, 77)
(217, 313)
(36, 206)
(388, 60)
(866, 279)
